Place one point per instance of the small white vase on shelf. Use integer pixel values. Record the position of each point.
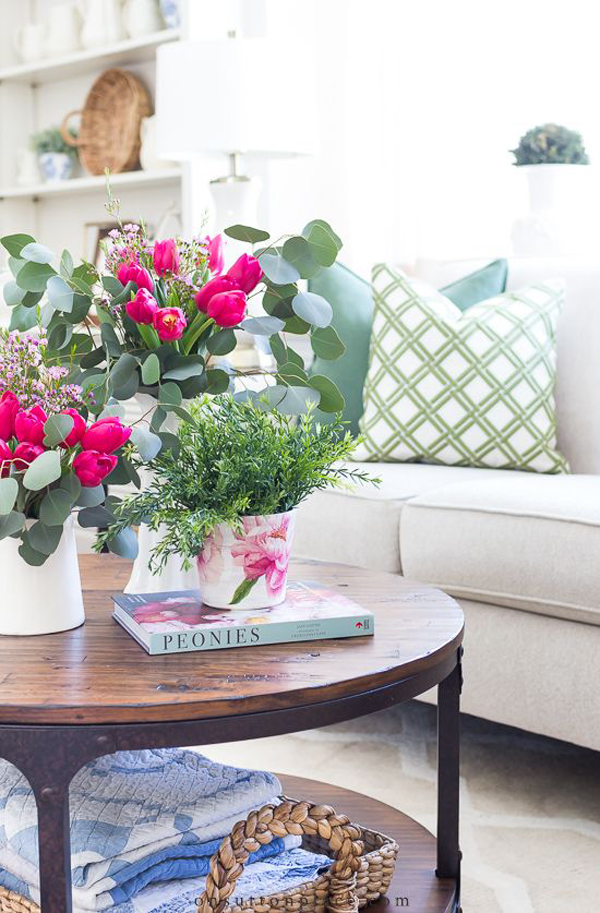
(45, 599)
(247, 568)
(142, 17)
(29, 41)
(561, 213)
(64, 30)
(103, 23)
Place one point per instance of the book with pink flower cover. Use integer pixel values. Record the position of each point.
(179, 622)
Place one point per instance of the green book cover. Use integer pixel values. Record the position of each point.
(179, 622)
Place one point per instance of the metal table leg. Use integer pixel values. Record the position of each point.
(448, 852)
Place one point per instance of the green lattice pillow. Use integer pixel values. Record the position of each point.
(462, 389)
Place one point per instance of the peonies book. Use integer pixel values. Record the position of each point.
(179, 622)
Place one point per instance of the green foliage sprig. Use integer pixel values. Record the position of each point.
(550, 144)
(233, 459)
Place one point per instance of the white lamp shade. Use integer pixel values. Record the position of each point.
(248, 95)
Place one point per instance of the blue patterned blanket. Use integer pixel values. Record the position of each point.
(142, 819)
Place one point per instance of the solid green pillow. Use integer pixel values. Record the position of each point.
(478, 286)
(351, 299)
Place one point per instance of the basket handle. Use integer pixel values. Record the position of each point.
(64, 129)
(271, 821)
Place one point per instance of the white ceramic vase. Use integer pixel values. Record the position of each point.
(41, 600)
(142, 579)
(247, 568)
(561, 219)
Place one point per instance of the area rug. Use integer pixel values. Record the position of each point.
(530, 826)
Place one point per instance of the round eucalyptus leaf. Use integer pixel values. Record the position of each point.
(278, 349)
(322, 243)
(56, 507)
(113, 410)
(9, 489)
(291, 373)
(289, 400)
(169, 394)
(192, 368)
(313, 309)
(94, 358)
(13, 294)
(71, 484)
(15, 264)
(66, 264)
(216, 381)
(22, 318)
(11, 524)
(110, 340)
(297, 326)
(263, 326)
(14, 244)
(128, 389)
(327, 344)
(30, 556)
(222, 343)
(246, 233)
(299, 252)
(44, 470)
(91, 497)
(151, 370)
(321, 223)
(57, 428)
(331, 398)
(98, 516)
(60, 295)
(112, 285)
(44, 539)
(124, 544)
(147, 443)
(37, 253)
(59, 337)
(278, 270)
(123, 369)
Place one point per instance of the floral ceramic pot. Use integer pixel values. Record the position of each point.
(247, 568)
(55, 166)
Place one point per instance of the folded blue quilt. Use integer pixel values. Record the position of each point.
(137, 818)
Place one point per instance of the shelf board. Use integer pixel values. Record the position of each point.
(133, 50)
(95, 182)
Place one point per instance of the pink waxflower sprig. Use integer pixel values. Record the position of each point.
(45, 462)
(26, 369)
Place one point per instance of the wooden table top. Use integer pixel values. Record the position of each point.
(99, 674)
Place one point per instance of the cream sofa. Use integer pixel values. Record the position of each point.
(520, 551)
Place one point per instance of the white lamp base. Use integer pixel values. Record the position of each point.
(236, 201)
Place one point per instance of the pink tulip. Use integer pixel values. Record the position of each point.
(106, 435)
(228, 308)
(78, 429)
(5, 458)
(246, 272)
(91, 467)
(29, 425)
(142, 307)
(133, 272)
(216, 259)
(213, 287)
(9, 406)
(25, 454)
(165, 257)
(169, 323)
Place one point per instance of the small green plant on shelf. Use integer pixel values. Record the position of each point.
(550, 144)
(51, 140)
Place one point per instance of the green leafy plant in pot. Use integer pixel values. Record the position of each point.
(225, 495)
(55, 157)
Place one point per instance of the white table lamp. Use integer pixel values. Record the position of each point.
(231, 97)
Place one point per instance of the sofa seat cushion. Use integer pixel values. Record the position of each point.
(361, 527)
(522, 541)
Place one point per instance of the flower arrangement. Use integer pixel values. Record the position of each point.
(52, 459)
(550, 144)
(168, 314)
(237, 472)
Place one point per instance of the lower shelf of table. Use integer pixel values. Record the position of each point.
(414, 886)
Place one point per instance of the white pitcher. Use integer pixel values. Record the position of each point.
(142, 17)
(29, 41)
(103, 23)
(64, 30)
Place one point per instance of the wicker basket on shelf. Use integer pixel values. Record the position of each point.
(109, 134)
(360, 873)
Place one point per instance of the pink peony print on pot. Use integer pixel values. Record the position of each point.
(248, 566)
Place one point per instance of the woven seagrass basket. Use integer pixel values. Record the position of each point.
(109, 134)
(361, 871)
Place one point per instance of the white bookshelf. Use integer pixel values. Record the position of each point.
(124, 53)
(76, 186)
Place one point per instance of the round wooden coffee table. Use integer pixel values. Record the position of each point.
(66, 699)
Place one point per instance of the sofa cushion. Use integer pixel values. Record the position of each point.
(361, 527)
(522, 541)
